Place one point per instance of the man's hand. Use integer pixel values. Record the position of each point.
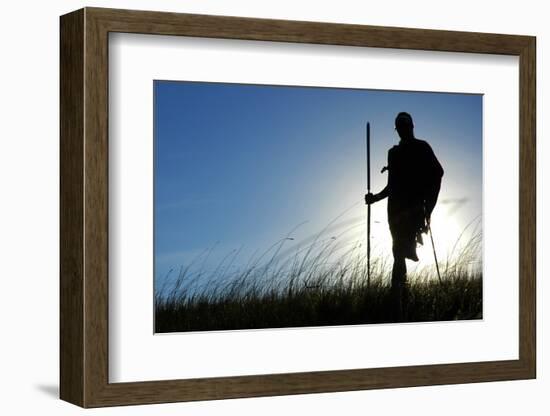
(371, 198)
(426, 226)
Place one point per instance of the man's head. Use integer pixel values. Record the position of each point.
(404, 125)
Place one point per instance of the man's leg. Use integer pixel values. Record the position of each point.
(399, 294)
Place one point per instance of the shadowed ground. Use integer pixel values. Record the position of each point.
(317, 288)
(341, 304)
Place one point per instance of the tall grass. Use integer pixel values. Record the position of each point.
(322, 283)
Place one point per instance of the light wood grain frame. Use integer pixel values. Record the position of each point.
(84, 218)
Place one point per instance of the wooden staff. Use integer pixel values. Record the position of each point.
(368, 205)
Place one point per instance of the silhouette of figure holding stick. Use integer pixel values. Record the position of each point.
(414, 181)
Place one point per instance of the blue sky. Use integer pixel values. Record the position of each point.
(239, 166)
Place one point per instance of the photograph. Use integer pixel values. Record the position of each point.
(284, 206)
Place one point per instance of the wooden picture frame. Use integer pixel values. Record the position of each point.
(84, 207)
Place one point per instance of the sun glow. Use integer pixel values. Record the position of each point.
(457, 240)
(446, 233)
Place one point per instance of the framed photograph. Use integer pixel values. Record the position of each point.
(254, 207)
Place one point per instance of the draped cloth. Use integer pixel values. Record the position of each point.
(414, 181)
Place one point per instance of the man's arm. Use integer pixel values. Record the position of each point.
(372, 198)
(384, 193)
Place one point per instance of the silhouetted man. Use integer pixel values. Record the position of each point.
(414, 180)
